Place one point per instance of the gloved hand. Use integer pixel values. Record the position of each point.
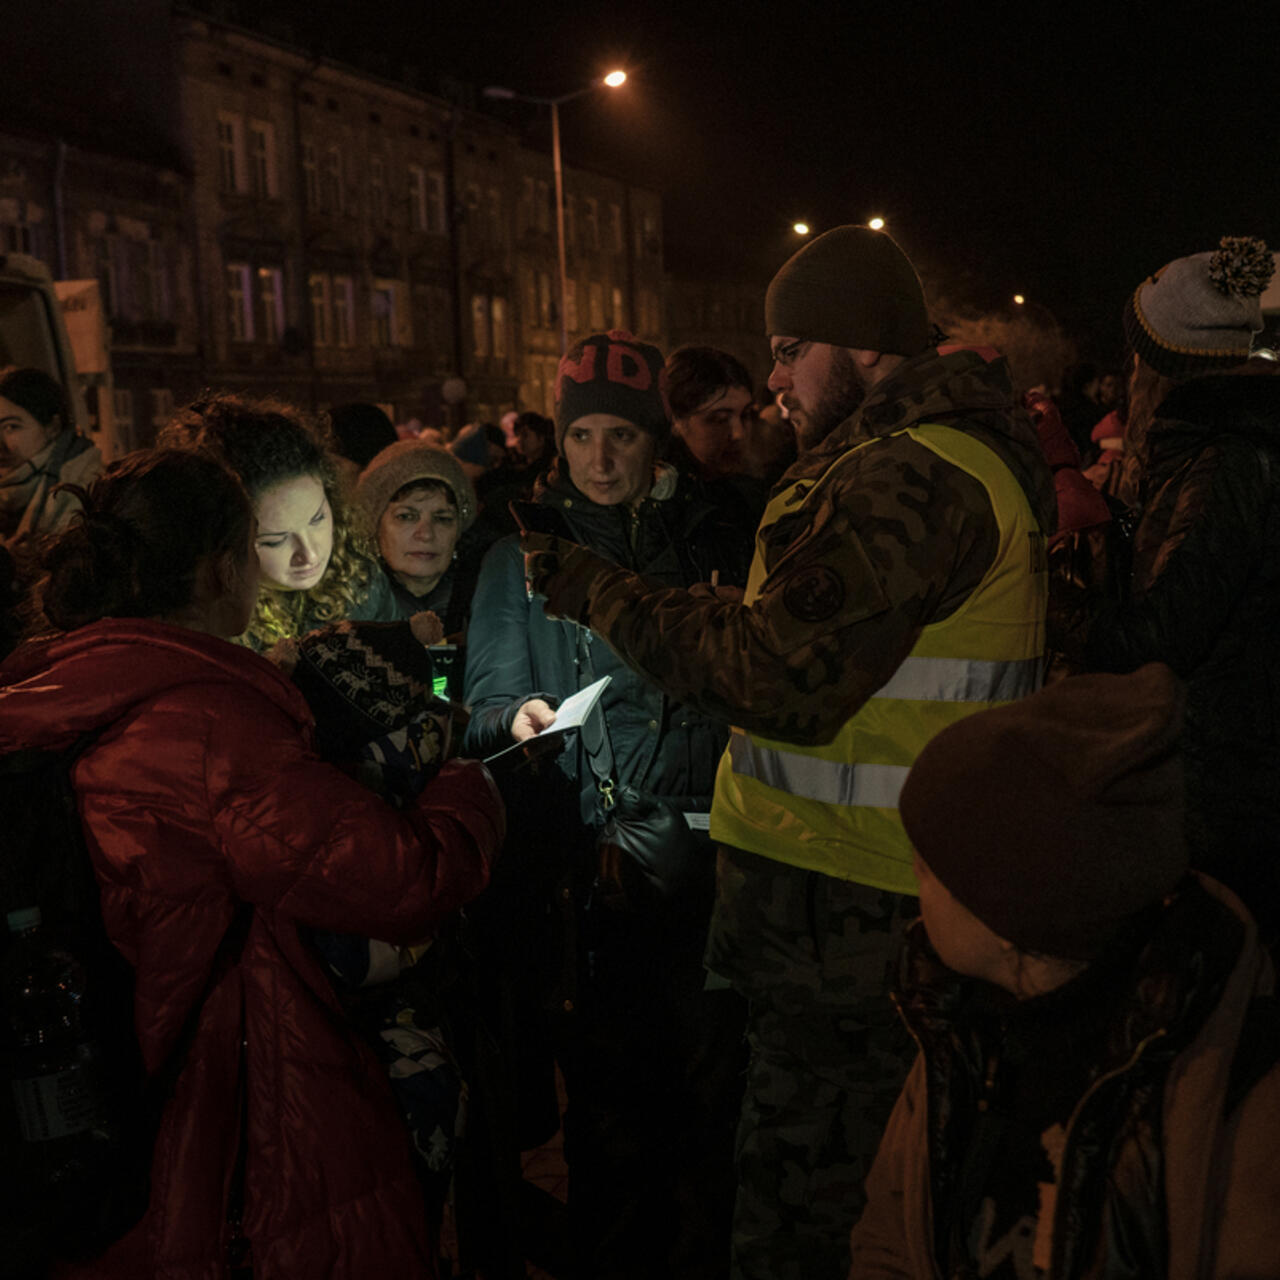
(464, 791)
(399, 764)
(565, 573)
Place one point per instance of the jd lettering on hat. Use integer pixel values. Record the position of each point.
(613, 373)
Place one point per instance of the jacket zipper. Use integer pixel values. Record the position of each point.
(1114, 1074)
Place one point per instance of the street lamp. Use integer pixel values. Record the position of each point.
(1019, 299)
(612, 80)
(801, 228)
(876, 224)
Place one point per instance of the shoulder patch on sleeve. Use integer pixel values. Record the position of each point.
(813, 593)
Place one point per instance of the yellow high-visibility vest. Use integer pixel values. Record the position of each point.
(834, 808)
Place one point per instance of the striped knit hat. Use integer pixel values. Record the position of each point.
(1200, 313)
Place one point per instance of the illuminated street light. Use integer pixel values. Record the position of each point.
(876, 224)
(801, 228)
(612, 80)
(1019, 299)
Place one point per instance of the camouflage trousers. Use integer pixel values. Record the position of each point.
(813, 955)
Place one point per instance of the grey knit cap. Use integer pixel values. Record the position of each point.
(1200, 313)
(851, 287)
(407, 460)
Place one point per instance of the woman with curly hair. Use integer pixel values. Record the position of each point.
(314, 567)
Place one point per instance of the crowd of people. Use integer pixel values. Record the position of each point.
(904, 905)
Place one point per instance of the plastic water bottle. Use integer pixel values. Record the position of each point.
(51, 1064)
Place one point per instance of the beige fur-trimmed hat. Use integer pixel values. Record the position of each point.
(398, 465)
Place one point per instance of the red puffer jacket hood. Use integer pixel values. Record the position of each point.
(54, 690)
(202, 790)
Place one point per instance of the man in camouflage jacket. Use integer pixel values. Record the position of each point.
(896, 541)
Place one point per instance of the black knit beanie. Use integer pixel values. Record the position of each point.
(614, 373)
(851, 287)
(1056, 817)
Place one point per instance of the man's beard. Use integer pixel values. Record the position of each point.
(843, 393)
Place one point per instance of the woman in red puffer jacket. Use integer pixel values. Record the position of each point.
(202, 791)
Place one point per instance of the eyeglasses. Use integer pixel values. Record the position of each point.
(787, 354)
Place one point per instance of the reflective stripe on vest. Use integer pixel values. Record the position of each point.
(872, 785)
(963, 680)
(833, 807)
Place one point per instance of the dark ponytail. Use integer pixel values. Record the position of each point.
(147, 524)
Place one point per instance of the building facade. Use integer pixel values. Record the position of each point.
(327, 236)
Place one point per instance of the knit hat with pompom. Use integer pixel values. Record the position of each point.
(1200, 313)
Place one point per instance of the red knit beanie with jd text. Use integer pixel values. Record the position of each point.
(613, 373)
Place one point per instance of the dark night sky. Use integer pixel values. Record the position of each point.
(1063, 150)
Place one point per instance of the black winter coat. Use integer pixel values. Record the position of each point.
(516, 652)
(1206, 600)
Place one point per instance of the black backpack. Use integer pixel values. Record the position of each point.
(55, 1206)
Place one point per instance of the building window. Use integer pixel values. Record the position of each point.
(646, 235)
(615, 228)
(19, 235)
(571, 305)
(378, 190)
(417, 198)
(390, 301)
(331, 181)
(591, 229)
(262, 160)
(480, 324)
(437, 221)
(498, 314)
(122, 418)
(544, 207)
(231, 168)
(528, 215)
(544, 300)
(161, 407)
(239, 302)
(595, 295)
(496, 238)
(107, 269)
(344, 311)
(149, 271)
(440, 324)
(529, 296)
(321, 332)
(271, 303)
(551, 371)
(310, 177)
(618, 320)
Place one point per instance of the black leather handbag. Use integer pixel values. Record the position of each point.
(646, 845)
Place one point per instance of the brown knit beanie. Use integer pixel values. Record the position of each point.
(398, 464)
(851, 287)
(614, 373)
(1056, 817)
(1200, 313)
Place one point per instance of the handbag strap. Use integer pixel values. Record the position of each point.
(594, 734)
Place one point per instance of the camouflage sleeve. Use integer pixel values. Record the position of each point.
(898, 539)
